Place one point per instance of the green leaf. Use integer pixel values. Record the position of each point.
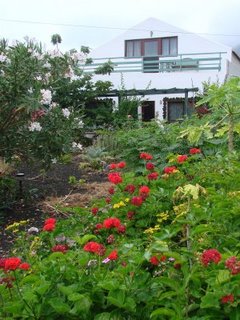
(82, 304)
(223, 276)
(59, 306)
(85, 238)
(103, 316)
(163, 312)
(210, 300)
(43, 288)
(109, 284)
(117, 298)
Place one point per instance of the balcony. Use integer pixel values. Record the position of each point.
(157, 64)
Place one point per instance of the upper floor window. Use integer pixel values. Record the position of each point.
(151, 47)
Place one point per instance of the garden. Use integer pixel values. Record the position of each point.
(159, 239)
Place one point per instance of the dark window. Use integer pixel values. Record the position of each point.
(151, 47)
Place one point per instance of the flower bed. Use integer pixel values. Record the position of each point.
(163, 244)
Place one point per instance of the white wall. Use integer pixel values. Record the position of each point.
(187, 43)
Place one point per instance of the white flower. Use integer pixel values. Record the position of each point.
(69, 73)
(77, 56)
(35, 126)
(55, 53)
(46, 96)
(30, 90)
(39, 78)
(4, 58)
(66, 112)
(76, 145)
(47, 65)
(79, 123)
(54, 161)
(33, 230)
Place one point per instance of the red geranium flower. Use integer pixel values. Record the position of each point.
(94, 247)
(49, 227)
(233, 265)
(94, 210)
(113, 255)
(111, 190)
(195, 151)
(50, 221)
(115, 177)
(182, 158)
(24, 266)
(121, 165)
(144, 190)
(130, 215)
(121, 228)
(154, 260)
(112, 166)
(130, 188)
(108, 200)
(145, 156)
(137, 201)
(111, 223)
(228, 299)
(210, 255)
(60, 248)
(152, 176)
(12, 263)
(99, 226)
(150, 166)
(169, 170)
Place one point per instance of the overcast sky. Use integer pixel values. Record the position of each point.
(98, 21)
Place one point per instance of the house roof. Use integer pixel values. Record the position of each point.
(153, 27)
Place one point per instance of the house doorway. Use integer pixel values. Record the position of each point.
(173, 109)
(148, 110)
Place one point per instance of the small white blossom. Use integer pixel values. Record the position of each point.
(66, 112)
(35, 126)
(54, 161)
(30, 90)
(55, 53)
(39, 78)
(4, 58)
(77, 56)
(46, 96)
(69, 73)
(47, 65)
(76, 145)
(33, 230)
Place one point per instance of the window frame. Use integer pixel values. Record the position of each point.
(142, 43)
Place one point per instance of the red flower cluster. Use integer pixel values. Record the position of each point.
(144, 190)
(94, 247)
(111, 190)
(227, 299)
(121, 228)
(130, 188)
(111, 223)
(154, 261)
(113, 255)
(150, 166)
(119, 165)
(210, 255)
(145, 156)
(49, 224)
(195, 151)
(60, 248)
(130, 215)
(115, 177)
(169, 170)
(233, 265)
(13, 263)
(94, 210)
(182, 158)
(152, 176)
(137, 201)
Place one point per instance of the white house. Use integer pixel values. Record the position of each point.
(156, 55)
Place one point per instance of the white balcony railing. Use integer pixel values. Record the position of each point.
(180, 63)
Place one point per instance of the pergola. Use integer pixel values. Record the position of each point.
(147, 92)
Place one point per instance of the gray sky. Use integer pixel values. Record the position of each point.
(200, 16)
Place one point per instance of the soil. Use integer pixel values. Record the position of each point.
(40, 195)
